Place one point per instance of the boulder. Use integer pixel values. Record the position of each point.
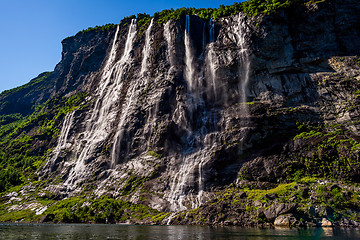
(326, 223)
(277, 209)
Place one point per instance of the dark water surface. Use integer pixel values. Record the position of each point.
(103, 232)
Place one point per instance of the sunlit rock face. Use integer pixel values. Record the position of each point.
(185, 107)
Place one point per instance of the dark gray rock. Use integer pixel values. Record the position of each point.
(277, 209)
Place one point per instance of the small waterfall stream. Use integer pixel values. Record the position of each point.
(68, 121)
(210, 63)
(189, 57)
(146, 49)
(170, 44)
(244, 69)
(62, 142)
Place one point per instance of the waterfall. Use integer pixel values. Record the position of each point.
(204, 36)
(146, 49)
(179, 182)
(68, 121)
(187, 186)
(99, 123)
(64, 134)
(210, 63)
(211, 31)
(131, 99)
(244, 69)
(189, 57)
(183, 185)
(170, 45)
(244, 74)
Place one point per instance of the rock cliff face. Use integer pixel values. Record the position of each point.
(181, 111)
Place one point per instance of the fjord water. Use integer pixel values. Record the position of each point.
(122, 232)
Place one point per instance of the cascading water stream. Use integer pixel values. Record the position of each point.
(210, 61)
(179, 183)
(68, 121)
(103, 114)
(64, 134)
(191, 170)
(146, 49)
(143, 79)
(244, 74)
(189, 57)
(244, 69)
(204, 36)
(211, 31)
(170, 45)
(183, 193)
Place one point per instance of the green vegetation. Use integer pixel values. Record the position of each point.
(133, 183)
(328, 152)
(154, 154)
(313, 199)
(42, 80)
(103, 210)
(250, 7)
(83, 209)
(15, 216)
(105, 27)
(160, 217)
(25, 142)
(143, 20)
(281, 189)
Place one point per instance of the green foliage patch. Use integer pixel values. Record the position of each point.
(25, 142)
(250, 7)
(328, 152)
(103, 210)
(42, 78)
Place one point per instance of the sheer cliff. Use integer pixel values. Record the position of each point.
(240, 120)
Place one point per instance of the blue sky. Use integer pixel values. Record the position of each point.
(32, 30)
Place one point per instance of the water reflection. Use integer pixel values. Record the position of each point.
(124, 232)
